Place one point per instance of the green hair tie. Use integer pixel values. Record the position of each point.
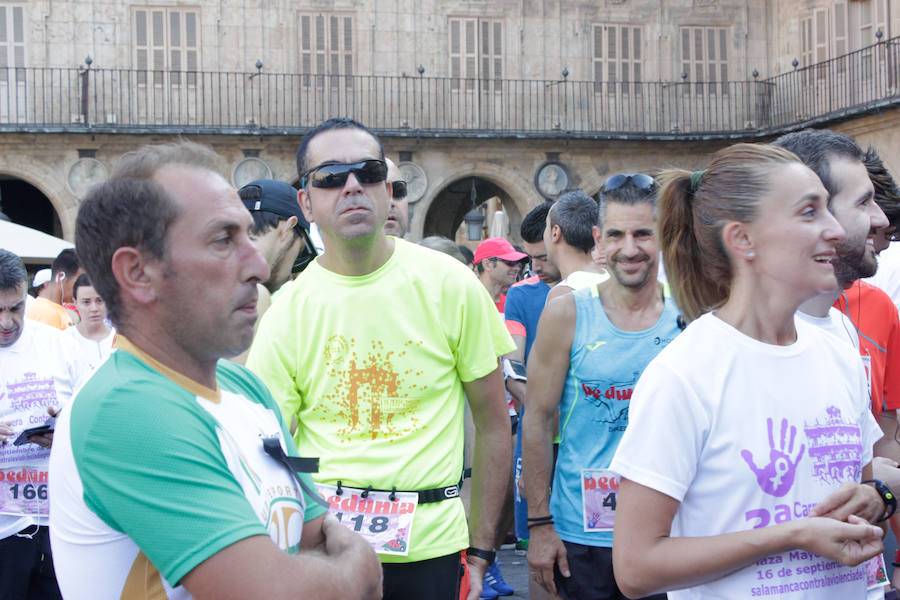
(696, 178)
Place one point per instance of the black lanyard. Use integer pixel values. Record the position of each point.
(294, 464)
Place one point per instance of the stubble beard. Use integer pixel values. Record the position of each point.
(852, 263)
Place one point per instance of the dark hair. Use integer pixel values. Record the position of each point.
(576, 214)
(629, 194)
(467, 253)
(817, 147)
(82, 281)
(116, 214)
(691, 218)
(263, 221)
(887, 194)
(335, 123)
(12, 270)
(131, 210)
(534, 223)
(65, 262)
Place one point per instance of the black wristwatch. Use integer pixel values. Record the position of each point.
(890, 501)
(488, 555)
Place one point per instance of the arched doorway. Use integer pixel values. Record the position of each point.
(26, 205)
(445, 213)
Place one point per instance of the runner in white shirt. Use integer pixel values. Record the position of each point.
(750, 433)
(39, 372)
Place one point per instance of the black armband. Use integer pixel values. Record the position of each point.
(488, 555)
(887, 496)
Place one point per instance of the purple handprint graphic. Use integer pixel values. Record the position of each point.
(777, 477)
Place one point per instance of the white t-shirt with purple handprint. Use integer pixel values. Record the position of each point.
(746, 435)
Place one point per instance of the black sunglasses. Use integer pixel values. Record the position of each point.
(307, 252)
(508, 263)
(398, 187)
(645, 183)
(334, 175)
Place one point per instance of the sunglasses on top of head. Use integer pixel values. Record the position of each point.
(645, 183)
(334, 175)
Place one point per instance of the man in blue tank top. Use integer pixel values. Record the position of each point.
(591, 347)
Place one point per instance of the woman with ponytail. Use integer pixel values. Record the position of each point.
(750, 433)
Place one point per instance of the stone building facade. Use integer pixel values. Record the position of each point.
(517, 99)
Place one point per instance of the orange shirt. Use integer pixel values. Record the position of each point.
(49, 312)
(875, 317)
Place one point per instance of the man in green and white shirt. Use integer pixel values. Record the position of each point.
(161, 485)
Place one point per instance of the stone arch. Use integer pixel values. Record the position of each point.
(49, 183)
(517, 190)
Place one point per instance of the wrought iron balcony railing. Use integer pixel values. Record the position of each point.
(122, 100)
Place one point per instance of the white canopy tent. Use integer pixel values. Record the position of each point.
(31, 245)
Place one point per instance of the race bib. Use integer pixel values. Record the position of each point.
(23, 489)
(876, 573)
(23, 469)
(386, 524)
(599, 493)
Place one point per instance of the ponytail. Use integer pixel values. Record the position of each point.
(693, 286)
(693, 209)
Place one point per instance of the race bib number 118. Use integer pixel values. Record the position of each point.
(386, 524)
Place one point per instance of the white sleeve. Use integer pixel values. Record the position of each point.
(77, 367)
(666, 433)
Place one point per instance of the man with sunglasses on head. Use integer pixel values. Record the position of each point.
(397, 223)
(374, 349)
(592, 346)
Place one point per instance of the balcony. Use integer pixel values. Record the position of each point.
(99, 100)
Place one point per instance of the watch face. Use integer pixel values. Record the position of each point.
(416, 181)
(84, 174)
(551, 179)
(250, 169)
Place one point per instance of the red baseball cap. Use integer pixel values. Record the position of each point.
(497, 248)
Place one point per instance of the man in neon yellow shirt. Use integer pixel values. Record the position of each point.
(374, 350)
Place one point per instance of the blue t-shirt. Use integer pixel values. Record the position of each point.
(605, 364)
(524, 303)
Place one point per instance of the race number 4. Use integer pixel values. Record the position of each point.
(599, 495)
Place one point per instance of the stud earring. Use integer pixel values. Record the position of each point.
(751, 255)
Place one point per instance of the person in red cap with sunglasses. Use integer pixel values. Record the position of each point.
(498, 266)
(374, 350)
